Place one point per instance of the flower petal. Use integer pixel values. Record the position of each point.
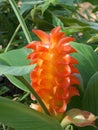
(59, 105)
(42, 35)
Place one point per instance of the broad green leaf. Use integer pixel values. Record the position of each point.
(90, 101)
(20, 117)
(88, 60)
(91, 94)
(16, 57)
(17, 83)
(15, 63)
(15, 70)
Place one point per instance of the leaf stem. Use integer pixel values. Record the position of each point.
(21, 78)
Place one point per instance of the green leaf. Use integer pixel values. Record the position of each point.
(90, 100)
(3, 89)
(66, 2)
(16, 57)
(73, 29)
(88, 26)
(15, 70)
(2, 1)
(20, 117)
(87, 60)
(45, 6)
(27, 5)
(17, 83)
(57, 22)
(15, 62)
(93, 39)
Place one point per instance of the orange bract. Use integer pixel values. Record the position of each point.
(53, 77)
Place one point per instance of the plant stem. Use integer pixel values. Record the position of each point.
(29, 39)
(6, 49)
(22, 79)
(21, 20)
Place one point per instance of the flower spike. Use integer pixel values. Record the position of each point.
(53, 77)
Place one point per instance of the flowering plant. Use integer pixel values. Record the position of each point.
(54, 78)
(55, 74)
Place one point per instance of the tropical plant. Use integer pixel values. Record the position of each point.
(62, 84)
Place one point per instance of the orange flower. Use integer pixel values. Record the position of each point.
(53, 77)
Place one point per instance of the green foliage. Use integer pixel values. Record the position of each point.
(13, 70)
(91, 94)
(16, 22)
(17, 82)
(28, 5)
(87, 58)
(8, 22)
(90, 97)
(66, 2)
(17, 63)
(24, 118)
(16, 57)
